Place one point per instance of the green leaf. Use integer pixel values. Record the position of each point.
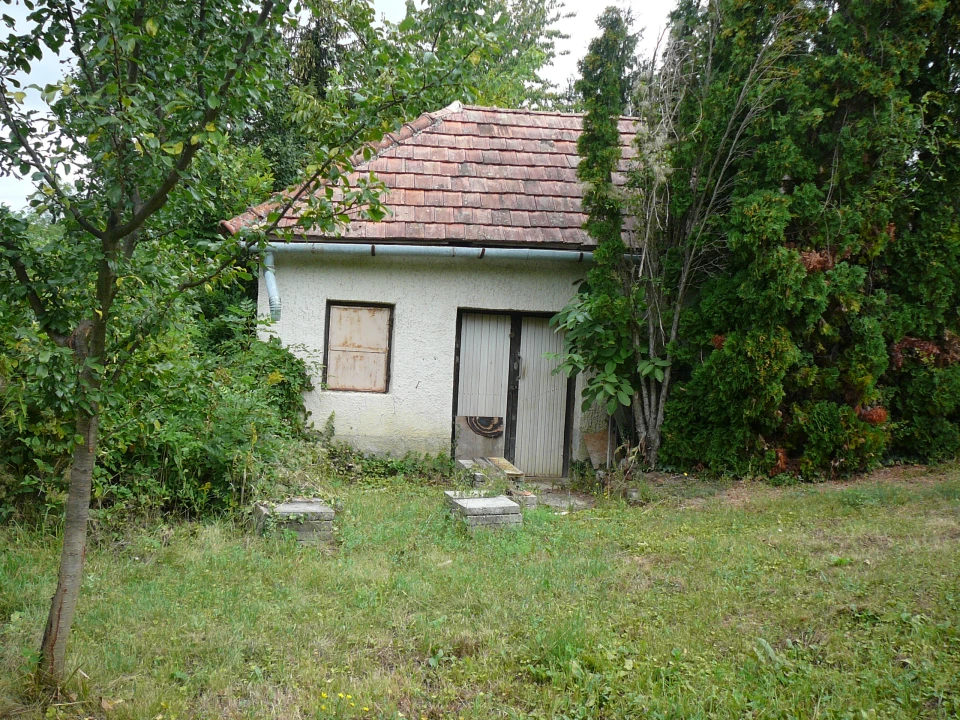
(151, 27)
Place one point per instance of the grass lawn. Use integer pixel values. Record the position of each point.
(834, 600)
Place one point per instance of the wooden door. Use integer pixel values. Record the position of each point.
(482, 390)
(508, 401)
(541, 401)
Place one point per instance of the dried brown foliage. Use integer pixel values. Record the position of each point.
(718, 341)
(873, 416)
(781, 464)
(924, 349)
(817, 261)
(950, 347)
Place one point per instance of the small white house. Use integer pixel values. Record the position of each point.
(432, 325)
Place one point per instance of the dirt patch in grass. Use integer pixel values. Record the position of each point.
(747, 495)
(946, 526)
(915, 474)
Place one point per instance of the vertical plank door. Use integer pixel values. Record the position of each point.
(541, 402)
(484, 365)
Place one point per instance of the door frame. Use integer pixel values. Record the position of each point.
(513, 385)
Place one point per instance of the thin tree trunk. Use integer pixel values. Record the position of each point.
(54, 646)
(653, 446)
(88, 342)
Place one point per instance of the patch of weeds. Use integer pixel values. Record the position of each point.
(552, 649)
(784, 480)
(949, 490)
(643, 493)
(355, 467)
(839, 561)
(879, 495)
(583, 478)
(642, 488)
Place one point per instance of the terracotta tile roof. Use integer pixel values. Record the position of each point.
(474, 176)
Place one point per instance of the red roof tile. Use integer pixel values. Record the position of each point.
(475, 175)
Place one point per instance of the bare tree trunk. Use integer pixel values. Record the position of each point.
(653, 446)
(54, 646)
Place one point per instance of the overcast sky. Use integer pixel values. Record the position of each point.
(651, 16)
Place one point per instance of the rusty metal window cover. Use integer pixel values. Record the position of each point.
(357, 347)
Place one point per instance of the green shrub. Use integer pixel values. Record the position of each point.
(926, 400)
(719, 418)
(830, 437)
(843, 233)
(195, 430)
(353, 466)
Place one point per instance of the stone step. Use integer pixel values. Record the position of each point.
(478, 520)
(482, 468)
(471, 504)
(311, 519)
(483, 512)
(473, 470)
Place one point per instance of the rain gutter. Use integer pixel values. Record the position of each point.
(370, 250)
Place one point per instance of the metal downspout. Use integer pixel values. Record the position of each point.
(270, 280)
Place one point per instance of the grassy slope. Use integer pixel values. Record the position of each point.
(824, 601)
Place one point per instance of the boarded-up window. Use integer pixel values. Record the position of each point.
(358, 348)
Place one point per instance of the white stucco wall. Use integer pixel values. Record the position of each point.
(415, 414)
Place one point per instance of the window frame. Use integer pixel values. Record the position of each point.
(326, 343)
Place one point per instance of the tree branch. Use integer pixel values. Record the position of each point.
(162, 193)
(37, 163)
(33, 298)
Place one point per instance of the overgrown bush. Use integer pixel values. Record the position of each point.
(194, 431)
(830, 339)
(204, 410)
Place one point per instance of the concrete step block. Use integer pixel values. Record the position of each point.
(480, 512)
(525, 499)
(469, 504)
(311, 519)
(511, 519)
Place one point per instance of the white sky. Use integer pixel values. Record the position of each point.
(650, 16)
